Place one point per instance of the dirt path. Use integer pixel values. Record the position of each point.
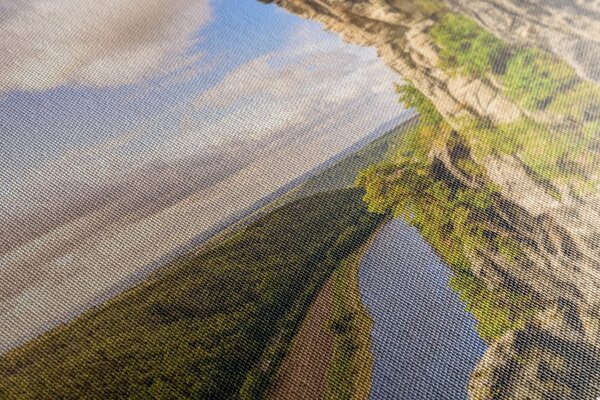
(303, 374)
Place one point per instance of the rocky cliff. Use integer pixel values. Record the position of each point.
(567, 27)
(555, 353)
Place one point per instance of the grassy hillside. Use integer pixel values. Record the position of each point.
(212, 325)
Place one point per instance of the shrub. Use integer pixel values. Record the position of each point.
(342, 324)
(430, 8)
(411, 97)
(533, 78)
(465, 45)
(582, 103)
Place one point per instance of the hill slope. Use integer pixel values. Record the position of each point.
(204, 326)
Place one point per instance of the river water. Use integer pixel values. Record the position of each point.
(424, 342)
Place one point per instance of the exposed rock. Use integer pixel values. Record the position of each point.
(403, 43)
(556, 355)
(553, 357)
(567, 27)
(516, 184)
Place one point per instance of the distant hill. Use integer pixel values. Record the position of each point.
(343, 173)
(337, 173)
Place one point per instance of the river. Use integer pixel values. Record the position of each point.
(424, 342)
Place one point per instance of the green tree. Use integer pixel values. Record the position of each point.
(411, 97)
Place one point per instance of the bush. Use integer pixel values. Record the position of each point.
(465, 45)
(411, 97)
(343, 324)
(430, 8)
(582, 103)
(496, 311)
(533, 78)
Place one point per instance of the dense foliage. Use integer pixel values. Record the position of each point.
(467, 47)
(211, 326)
(411, 97)
(533, 78)
(455, 218)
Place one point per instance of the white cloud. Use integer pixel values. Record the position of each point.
(266, 123)
(313, 87)
(49, 43)
(310, 87)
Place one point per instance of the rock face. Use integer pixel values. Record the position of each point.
(567, 27)
(556, 355)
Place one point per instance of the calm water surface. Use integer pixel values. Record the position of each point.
(424, 342)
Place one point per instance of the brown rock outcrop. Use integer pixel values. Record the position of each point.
(556, 355)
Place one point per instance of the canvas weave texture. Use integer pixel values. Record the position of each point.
(300, 199)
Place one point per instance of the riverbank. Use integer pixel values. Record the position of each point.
(303, 373)
(351, 367)
(330, 357)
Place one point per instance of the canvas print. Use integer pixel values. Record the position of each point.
(300, 199)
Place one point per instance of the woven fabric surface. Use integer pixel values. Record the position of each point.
(300, 199)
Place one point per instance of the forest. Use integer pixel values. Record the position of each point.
(211, 325)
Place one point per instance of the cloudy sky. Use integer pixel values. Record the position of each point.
(130, 126)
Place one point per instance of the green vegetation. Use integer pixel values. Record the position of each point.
(581, 104)
(466, 47)
(456, 210)
(411, 97)
(350, 371)
(567, 156)
(212, 325)
(536, 80)
(430, 8)
(457, 221)
(496, 311)
(533, 78)
(458, 218)
(545, 152)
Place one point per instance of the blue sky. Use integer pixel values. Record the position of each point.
(74, 111)
(101, 93)
(129, 127)
(41, 125)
